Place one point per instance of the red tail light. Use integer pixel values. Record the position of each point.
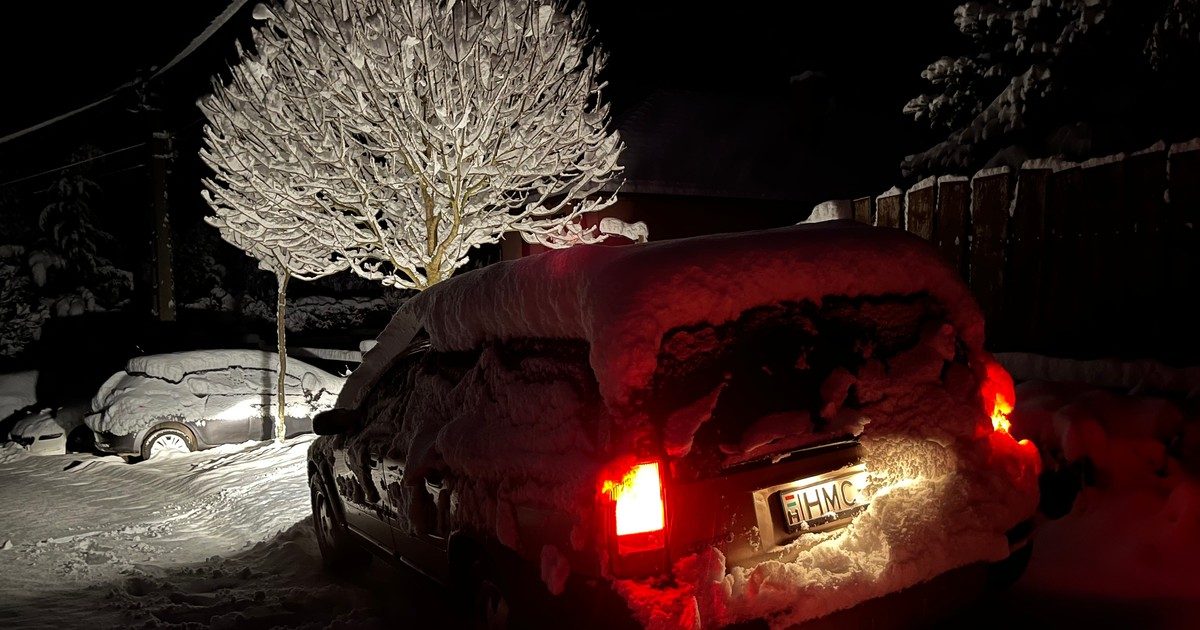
(998, 396)
(638, 511)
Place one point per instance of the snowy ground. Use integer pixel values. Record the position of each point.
(220, 538)
(223, 538)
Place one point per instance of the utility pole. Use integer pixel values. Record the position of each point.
(162, 152)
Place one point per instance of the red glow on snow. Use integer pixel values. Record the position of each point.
(639, 500)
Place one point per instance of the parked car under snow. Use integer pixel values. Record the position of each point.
(187, 401)
(771, 425)
(53, 430)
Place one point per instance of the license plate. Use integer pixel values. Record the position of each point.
(825, 501)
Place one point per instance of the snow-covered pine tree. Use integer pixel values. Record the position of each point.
(1056, 78)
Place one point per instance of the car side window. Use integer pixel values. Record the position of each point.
(384, 404)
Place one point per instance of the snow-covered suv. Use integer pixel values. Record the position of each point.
(776, 424)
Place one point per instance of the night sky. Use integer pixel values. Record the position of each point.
(63, 55)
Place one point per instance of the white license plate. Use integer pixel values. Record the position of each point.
(825, 501)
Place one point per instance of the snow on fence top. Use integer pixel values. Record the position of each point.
(622, 300)
(1184, 147)
(891, 192)
(924, 183)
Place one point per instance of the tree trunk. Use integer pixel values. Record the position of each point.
(281, 336)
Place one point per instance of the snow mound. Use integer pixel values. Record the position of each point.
(1131, 532)
(622, 300)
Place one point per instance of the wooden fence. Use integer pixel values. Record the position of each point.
(1099, 258)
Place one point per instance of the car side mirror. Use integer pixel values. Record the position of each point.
(337, 421)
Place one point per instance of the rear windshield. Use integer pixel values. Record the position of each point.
(765, 370)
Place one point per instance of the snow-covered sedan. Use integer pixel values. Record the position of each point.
(186, 401)
(771, 425)
(53, 430)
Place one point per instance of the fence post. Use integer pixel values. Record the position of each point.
(1145, 189)
(862, 210)
(919, 204)
(950, 229)
(1025, 298)
(1062, 258)
(1183, 247)
(888, 208)
(989, 221)
(1104, 255)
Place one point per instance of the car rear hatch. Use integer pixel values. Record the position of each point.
(752, 511)
(761, 418)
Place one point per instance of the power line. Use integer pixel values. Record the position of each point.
(196, 42)
(199, 40)
(76, 163)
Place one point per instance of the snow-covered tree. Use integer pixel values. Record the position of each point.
(392, 136)
(286, 244)
(415, 130)
(1055, 77)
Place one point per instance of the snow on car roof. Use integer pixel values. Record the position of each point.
(176, 365)
(622, 300)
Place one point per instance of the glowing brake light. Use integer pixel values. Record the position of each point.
(638, 500)
(999, 395)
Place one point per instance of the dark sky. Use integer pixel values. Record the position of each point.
(61, 55)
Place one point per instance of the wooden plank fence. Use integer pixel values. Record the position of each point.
(1099, 258)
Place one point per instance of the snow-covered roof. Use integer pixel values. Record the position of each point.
(176, 365)
(622, 300)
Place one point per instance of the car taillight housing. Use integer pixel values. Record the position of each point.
(635, 509)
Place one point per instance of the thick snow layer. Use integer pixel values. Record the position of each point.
(623, 299)
(1184, 147)
(17, 390)
(894, 191)
(924, 183)
(991, 172)
(1132, 531)
(831, 211)
(207, 384)
(1139, 375)
(214, 539)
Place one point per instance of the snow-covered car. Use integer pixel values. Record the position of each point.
(186, 401)
(53, 430)
(771, 425)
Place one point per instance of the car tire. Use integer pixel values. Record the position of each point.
(81, 440)
(340, 555)
(491, 603)
(175, 438)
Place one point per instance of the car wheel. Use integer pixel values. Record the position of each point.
(81, 440)
(168, 440)
(491, 606)
(339, 554)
